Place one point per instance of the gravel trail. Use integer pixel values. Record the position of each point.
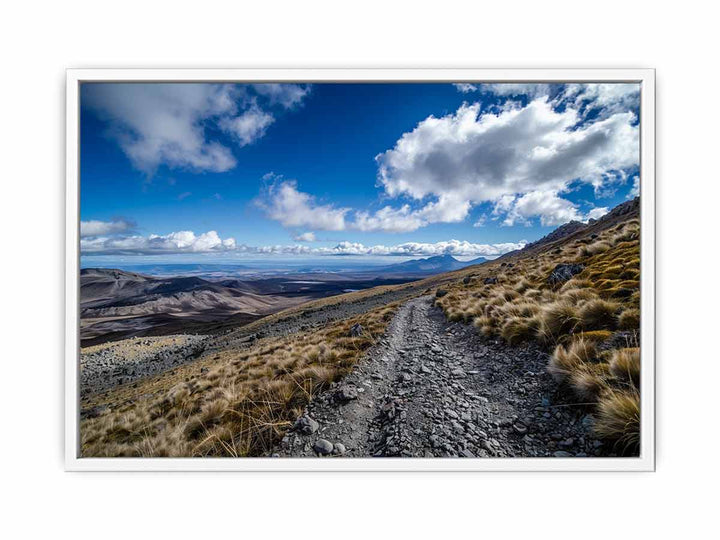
(431, 388)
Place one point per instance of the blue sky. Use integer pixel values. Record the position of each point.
(220, 173)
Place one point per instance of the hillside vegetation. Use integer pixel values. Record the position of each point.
(589, 322)
(575, 294)
(235, 403)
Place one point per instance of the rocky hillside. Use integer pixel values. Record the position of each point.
(533, 354)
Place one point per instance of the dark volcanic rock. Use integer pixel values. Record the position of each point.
(323, 447)
(306, 425)
(564, 272)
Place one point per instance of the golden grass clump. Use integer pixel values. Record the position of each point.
(629, 319)
(566, 360)
(625, 365)
(618, 419)
(595, 248)
(519, 329)
(598, 314)
(589, 380)
(557, 319)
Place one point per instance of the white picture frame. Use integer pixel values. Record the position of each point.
(646, 460)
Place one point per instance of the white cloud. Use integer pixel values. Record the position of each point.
(465, 88)
(517, 89)
(467, 158)
(480, 222)
(210, 242)
(635, 190)
(597, 212)
(286, 95)
(175, 242)
(305, 237)
(450, 247)
(284, 203)
(548, 206)
(166, 123)
(607, 98)
(101, 228)
(249, 126)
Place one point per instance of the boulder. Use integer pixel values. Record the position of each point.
(563, 272)
(356, 330)
(306, 425)
(323, 447)
(490, 280)
(440, 293)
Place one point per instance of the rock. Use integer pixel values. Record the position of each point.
(458, 373)
(467, 280)
(440, 293)
(490, 280)
(347, 393)
(339, 449)
(520, 429)
(323, 447)
(306, 425)
(356, 330)
(562, 453)
(563, 272)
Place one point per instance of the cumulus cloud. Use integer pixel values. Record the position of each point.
(604, 98)
(175, 242)
(210, 242)
(549, 207)
(172, 123)
(635, 190)
(100, 228)
(283, 202)
(286, 95)
(597, 212)
(517, 89)
(446, 209)
(466, 158)
(465, 88)
(305, 237)
(249, 126)
(390, 220)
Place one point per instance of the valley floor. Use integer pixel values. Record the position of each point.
(431, 388)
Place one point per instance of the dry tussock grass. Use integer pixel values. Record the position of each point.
(571, 319)
(235, 403)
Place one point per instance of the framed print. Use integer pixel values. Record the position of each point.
(381, 269)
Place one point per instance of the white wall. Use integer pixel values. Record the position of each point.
(39, 41)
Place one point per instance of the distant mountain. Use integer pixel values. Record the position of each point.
(479, 260)
(430, 265)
